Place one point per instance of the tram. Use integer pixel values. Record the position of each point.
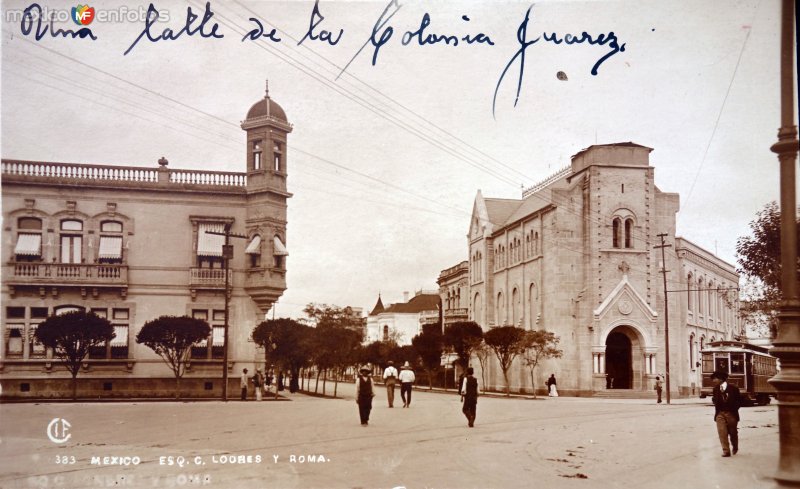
(748, 366)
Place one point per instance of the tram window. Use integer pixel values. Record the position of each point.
(721, 364)
(708, 362)
(737, 363)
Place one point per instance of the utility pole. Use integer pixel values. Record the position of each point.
(227, 256)
(787, 344)
(666, 305)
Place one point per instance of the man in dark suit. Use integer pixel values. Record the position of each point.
(727, 400)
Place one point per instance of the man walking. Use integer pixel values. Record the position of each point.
(406, 380)
(469, 396)
(727, 400)
(390, 378)
(243, 384)
(364, 394)
(658, 388)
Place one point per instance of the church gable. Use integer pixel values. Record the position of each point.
(479, 223)
(625, 301)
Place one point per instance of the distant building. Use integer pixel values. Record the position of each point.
(575, 256)
(404, 320)
(134, 243)
(454, 293)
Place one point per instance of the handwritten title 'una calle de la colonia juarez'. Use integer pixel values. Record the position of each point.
(203, 26)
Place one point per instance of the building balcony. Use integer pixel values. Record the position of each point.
(209, 278)
(456, 314)
(66, 274)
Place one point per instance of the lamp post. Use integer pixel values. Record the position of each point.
(787, 344)
(227, 255)
(666, 309)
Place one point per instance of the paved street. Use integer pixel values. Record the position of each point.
(517, 443)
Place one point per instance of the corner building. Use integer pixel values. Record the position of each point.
(576, 256)
(135, 243)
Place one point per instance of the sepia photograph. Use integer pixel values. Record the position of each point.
(385, 244)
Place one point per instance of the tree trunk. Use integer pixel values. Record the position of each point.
(336, 384)
(430, 379)
(177, 387)
(508, 387)
(324, 381)
(74, 386)
(533, 386)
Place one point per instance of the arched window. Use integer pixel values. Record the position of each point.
(533, 306)
(71, 241)
(536, 249)
(385, 332)
(710, 298)
(477, 309)
(689, 303)
(498, 319)
(700, 296)
(615, 229)
(691, 352)
(628, 233)
(29, 239)
(516, 312)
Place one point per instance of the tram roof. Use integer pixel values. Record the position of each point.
(737, 346)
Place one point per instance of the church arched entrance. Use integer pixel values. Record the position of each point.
(619, 360)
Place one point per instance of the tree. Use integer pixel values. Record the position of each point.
(172, 338)
(324, 315)
(760, 258)
(71, 336)
(538, 345)
(506, 342)
(482, 352)
(462, 337)
(429, 346)
(287, 343)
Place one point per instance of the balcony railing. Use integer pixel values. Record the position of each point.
(456, 313)
(68, 273)
(209, 277)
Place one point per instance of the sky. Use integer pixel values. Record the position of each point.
(391, 143)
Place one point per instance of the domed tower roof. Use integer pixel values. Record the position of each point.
(266, 107)
(266, 112)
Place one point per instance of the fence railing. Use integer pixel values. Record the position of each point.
(67, 171)
(110, 274)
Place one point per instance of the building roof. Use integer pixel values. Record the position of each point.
(266, 107)
(378, 307)
(628, 144)
(500, 210)
(420, 303)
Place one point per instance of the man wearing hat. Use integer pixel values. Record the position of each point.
(390, 378)
(364, 394)
(727, 400)
(243, 384)
(406, 379)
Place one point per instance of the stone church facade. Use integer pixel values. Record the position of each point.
(576, 256)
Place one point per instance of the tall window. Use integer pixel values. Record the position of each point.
(385, 333)
(71, 241)
(110, 248)
(257, 154)
(209, 245)
(277, 155)
(212, 346)
(499, 309)
(533, 302)
(118, 347)
(689, 292)
(20, 329)
(279, 252)
(516, 313)
(29, 239)
(615, 229)
(628, 233)
(691, 352)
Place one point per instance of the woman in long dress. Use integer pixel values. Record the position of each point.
(551, 386)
